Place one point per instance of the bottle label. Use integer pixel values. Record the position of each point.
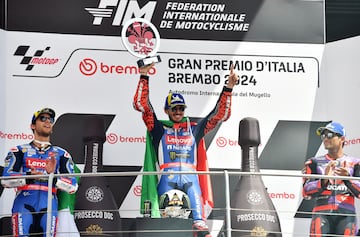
(147, 208)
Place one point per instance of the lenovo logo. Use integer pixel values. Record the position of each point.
(35, 163)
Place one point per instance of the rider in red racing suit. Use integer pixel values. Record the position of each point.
(39, 157)
(176, 141)
(334, 210)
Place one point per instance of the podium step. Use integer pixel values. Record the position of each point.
(157, 227)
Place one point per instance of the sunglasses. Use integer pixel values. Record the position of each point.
(329, 135)
(178, 108)
(43, 118)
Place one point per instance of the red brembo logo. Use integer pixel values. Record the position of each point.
(89, 67)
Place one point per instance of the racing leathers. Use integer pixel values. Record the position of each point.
(334, 209)
(176, 144)
(29, 210)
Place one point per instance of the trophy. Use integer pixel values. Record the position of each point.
(141, 38)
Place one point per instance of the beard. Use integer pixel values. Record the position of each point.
(44, 133)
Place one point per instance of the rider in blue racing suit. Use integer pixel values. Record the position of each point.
(39, 157)
(176, 141)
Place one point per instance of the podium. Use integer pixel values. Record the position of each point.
(163, 227)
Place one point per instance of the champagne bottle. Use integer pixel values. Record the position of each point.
(252, 211)
(96, 212)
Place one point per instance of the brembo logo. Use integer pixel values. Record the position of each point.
(120, 11)
(35, 59)
(89, 67)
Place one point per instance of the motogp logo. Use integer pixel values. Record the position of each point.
(35, 59)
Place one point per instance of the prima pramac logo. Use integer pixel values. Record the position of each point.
(36, 58)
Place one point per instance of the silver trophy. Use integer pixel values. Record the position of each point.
(141, 38)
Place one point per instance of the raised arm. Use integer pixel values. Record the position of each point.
(222, 109)
(141, 100)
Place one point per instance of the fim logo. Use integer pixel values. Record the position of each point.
(124, 9)
(35, 59)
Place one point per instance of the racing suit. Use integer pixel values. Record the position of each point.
(29, 210)
(334, 198)
(176, 144)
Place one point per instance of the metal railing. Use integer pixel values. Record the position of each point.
(225, 173)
